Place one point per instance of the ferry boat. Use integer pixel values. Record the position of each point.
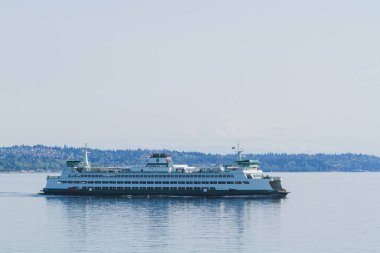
(161, 177)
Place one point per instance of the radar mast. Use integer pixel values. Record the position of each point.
(239, 151)
(86, 164)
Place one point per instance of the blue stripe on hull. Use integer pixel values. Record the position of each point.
(115, 192)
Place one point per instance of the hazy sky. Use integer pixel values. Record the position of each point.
(277, 76)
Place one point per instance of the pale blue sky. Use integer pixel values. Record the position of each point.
(278, 76)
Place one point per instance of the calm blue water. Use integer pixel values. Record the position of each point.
(325, 212)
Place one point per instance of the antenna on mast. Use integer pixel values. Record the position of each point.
(239, 151)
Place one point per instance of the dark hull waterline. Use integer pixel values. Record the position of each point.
(197, 193)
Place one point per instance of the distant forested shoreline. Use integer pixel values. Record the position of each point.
(40, 158)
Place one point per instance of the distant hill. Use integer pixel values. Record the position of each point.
(44, 158)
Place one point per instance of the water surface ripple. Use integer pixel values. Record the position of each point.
(325, 212)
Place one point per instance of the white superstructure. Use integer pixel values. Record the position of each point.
(161, 177)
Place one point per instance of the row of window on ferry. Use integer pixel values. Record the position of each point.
(153, 182)
(156, 176)
(149, 188)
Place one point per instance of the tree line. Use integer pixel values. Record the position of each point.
(45, 158)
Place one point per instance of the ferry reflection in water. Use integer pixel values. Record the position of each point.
(161, 224)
